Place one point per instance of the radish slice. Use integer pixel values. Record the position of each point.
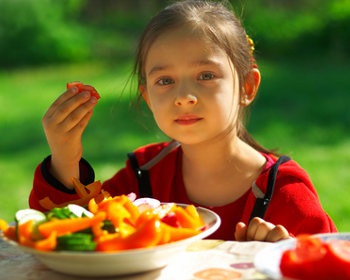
(26, 215)
(146, 203)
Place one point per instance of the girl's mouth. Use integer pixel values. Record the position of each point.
(188, 120)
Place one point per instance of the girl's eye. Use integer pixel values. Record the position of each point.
(165, 81)
(206, 76)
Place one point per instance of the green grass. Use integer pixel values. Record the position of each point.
(301, 109)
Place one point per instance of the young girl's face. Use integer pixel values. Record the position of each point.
(191, 87)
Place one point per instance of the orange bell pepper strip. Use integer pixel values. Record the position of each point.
(47, 244)
(191, 209)
(25, 233)
(187, 218)
(26, 238)
(3, 225)
(95, 201)
(65, 226)
(147, 235)
(11, 233)
(133, 210)
(144, 217)
(119, 210)
(86, 193)
(172, 234)
(92, 205)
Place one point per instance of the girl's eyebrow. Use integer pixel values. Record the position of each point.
(210, 62)
(157, 68)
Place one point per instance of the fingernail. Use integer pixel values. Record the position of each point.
(93, 100)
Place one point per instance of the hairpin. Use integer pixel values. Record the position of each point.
(251, 44)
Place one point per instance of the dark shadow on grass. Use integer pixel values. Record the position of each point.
(305, 101)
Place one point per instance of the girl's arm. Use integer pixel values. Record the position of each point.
(64, 123)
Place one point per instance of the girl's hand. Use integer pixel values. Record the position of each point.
(64, 124)
(260, 230)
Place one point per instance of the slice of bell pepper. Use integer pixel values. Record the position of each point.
(66, 226)
(147, 235)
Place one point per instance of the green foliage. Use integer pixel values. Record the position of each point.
(40, 32)
(308, 27)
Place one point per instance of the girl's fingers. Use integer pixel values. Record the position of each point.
(60, 100)
(76, 118)
(82, 123)
(70, 113)
(278, 233)
(258, 229)
(241, 232)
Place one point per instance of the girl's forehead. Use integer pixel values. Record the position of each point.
(184, 33)
(185, 41)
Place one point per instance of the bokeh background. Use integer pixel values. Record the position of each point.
(302, 48)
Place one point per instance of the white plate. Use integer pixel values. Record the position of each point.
(267, 261)
(98, 264)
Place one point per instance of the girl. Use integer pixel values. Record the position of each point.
(197, 73)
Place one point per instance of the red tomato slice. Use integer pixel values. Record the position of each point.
(83, 87)
(339, 258)
(306, 260)
(74, 84)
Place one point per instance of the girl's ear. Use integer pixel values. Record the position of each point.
(251, 87)
(144, 95)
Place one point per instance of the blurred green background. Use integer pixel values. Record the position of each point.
(302, 48)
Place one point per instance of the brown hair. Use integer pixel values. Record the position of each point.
(215, 20)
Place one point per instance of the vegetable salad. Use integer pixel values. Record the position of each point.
(112, 224)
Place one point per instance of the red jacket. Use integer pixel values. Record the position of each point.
(294, 204)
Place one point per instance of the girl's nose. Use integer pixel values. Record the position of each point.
(185, 95)
(186, 99)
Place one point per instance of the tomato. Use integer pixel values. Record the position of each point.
(313, 258)
(83, 87)
(339, 256)
(300, 262)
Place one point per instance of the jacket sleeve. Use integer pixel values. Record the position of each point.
(297, 207)
(45, 185)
